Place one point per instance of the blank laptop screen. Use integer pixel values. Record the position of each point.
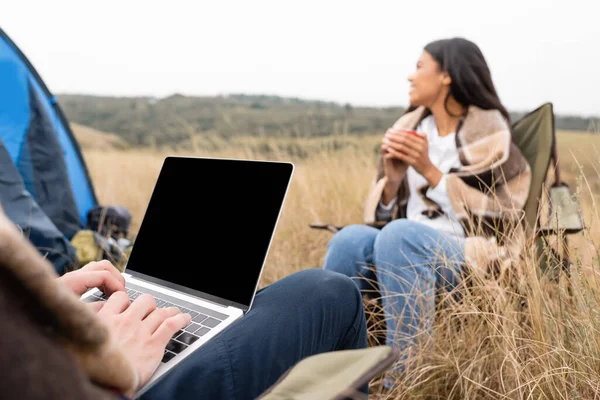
(209, 224)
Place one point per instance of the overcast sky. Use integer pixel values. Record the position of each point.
(345, 51)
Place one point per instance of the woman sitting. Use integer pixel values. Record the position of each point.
(449, 179)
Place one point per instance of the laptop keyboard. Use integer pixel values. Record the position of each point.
(200, 325)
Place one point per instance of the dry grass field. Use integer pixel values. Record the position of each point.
(496, 343)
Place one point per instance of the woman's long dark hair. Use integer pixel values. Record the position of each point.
(471, 78)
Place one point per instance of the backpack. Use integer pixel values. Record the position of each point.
(105, 237)
(113, 221)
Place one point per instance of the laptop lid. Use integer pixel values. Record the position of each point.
(208, 226)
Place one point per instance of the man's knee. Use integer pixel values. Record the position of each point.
(326, 287)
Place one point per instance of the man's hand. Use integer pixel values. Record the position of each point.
(141, 330)
(102, 275)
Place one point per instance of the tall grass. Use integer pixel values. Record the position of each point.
(535, 341)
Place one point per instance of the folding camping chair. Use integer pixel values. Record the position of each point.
(535, 135)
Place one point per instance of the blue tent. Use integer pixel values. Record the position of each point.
(45, 186)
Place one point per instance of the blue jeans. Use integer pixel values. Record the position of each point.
(306, 313)
(404, 262)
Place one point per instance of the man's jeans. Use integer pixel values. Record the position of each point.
(404, 263)
(306, 313)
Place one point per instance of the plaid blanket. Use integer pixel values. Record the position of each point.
(487, 193)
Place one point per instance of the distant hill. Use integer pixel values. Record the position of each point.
(174, 120)
(92, 139)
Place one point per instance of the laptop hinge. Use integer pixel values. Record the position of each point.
(185, 291)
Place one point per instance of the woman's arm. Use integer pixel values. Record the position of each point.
(385, 212)
(439, 194)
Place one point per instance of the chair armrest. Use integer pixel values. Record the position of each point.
(564, 212)
(336, 228)
(332, 375)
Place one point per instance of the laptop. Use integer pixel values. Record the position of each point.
(203, 243)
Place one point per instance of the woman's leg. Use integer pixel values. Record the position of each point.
(413, 260)
(350, 252)
(309, 312)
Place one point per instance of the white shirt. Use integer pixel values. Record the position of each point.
(443, 154)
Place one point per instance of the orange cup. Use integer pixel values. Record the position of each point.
(411, 132)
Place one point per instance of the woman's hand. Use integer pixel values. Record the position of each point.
(414, 151)
(102, 275)
(141, 330)
(393, 167)
(394, 170)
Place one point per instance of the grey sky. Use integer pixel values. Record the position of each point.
(345, 51)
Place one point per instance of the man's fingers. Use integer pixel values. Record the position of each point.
(158, 316)
(104, 280)
(105, 265)
(96, 305)
(171, 325)
(116, 303)
(141, 307)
